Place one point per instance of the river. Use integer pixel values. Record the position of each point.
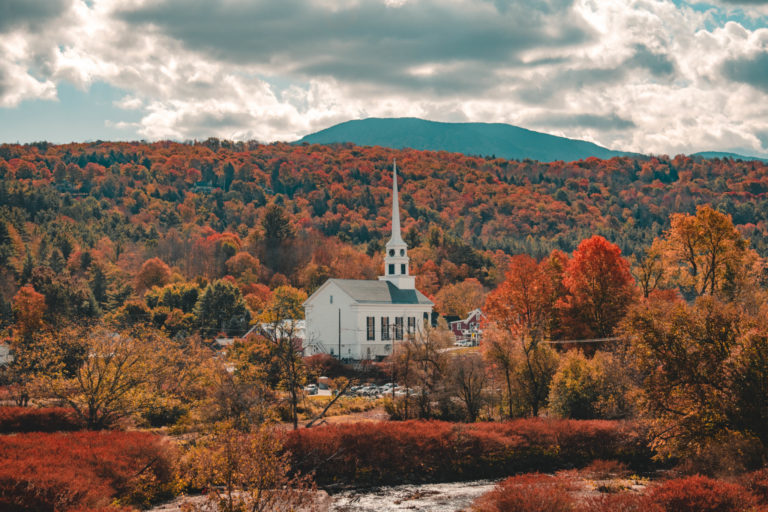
(450, 497)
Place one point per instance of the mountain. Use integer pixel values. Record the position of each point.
(722, 154)
(484, 139)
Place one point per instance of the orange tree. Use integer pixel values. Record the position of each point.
(519, 312)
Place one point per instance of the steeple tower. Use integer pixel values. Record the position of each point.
(396, 256)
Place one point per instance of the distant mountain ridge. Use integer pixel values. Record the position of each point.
(484, 139)
(724, 154)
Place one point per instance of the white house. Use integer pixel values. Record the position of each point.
(362, 319)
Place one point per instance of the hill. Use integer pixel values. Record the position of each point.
(92, 226)
(483, 139)
(733, 156)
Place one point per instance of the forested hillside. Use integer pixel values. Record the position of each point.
(93, 227)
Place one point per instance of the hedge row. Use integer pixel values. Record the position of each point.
(83, 470)
(376, 453)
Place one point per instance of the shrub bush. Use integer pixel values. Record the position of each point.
(28, 419)
(528, 493)
(620, 502)
(411, 451)
(757, 483)
(83, 470)
(701, 494)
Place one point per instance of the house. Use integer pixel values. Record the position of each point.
(5, 354)
(467, 331)
(358, 319)
(293, 328)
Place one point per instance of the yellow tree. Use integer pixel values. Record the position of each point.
(112, 381)
(279, 325)
(248, 472)
(709, 254)
(460, 298)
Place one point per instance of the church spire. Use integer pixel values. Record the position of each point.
(396, 237)
(396, 255)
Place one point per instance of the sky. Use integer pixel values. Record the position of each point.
(651, 76)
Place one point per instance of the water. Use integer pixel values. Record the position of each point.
(451, 497)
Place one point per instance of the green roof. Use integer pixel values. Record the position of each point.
(379, 292)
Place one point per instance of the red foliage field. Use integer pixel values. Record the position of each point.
(418, 451)
(27, 419)
(547, 493)
(83, 470)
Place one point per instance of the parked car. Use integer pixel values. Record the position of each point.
(311, 389)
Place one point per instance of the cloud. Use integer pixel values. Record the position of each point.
(601, 122)
(367, 42)
(30, 13)
(640, 75)
(749, 70)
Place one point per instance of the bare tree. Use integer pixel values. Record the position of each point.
(468, 379)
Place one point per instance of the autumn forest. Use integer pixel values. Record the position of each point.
(625, 331)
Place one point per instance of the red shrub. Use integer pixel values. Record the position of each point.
(528, 493)
(757, 483)
(389, 452)
(701, 494)
(57, 472)
(27, 419)
(619, 502)
(600, 468)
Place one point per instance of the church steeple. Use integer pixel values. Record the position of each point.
(396, 237)
(396, 256)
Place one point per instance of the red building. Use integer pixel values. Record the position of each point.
(467, 331)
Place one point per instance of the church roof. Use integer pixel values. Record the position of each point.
(379, 292)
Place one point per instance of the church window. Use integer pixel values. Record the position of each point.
(402, 268)
(391, 269)
(370, 328)
(402, 252)
(411, 325)
(384, 328)
(391, 252)
(399, 328)
(331, 299)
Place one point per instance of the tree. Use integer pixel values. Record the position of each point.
(278, 232)
(28, 308)
(599, 289)
(590, 387)
(112, 380)
(277, 225)
(37, 352)
(704, 371)
(221, 308)
(468, 379)
(248, 472)
(420, 362)
(244, 265)
(520, 310)
(708, 252)
(284, 309)
(154, 272)
(460, 298)
(649, 270)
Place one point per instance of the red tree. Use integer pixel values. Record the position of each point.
(599, 289)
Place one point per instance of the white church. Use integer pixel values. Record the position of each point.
(363, 319)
